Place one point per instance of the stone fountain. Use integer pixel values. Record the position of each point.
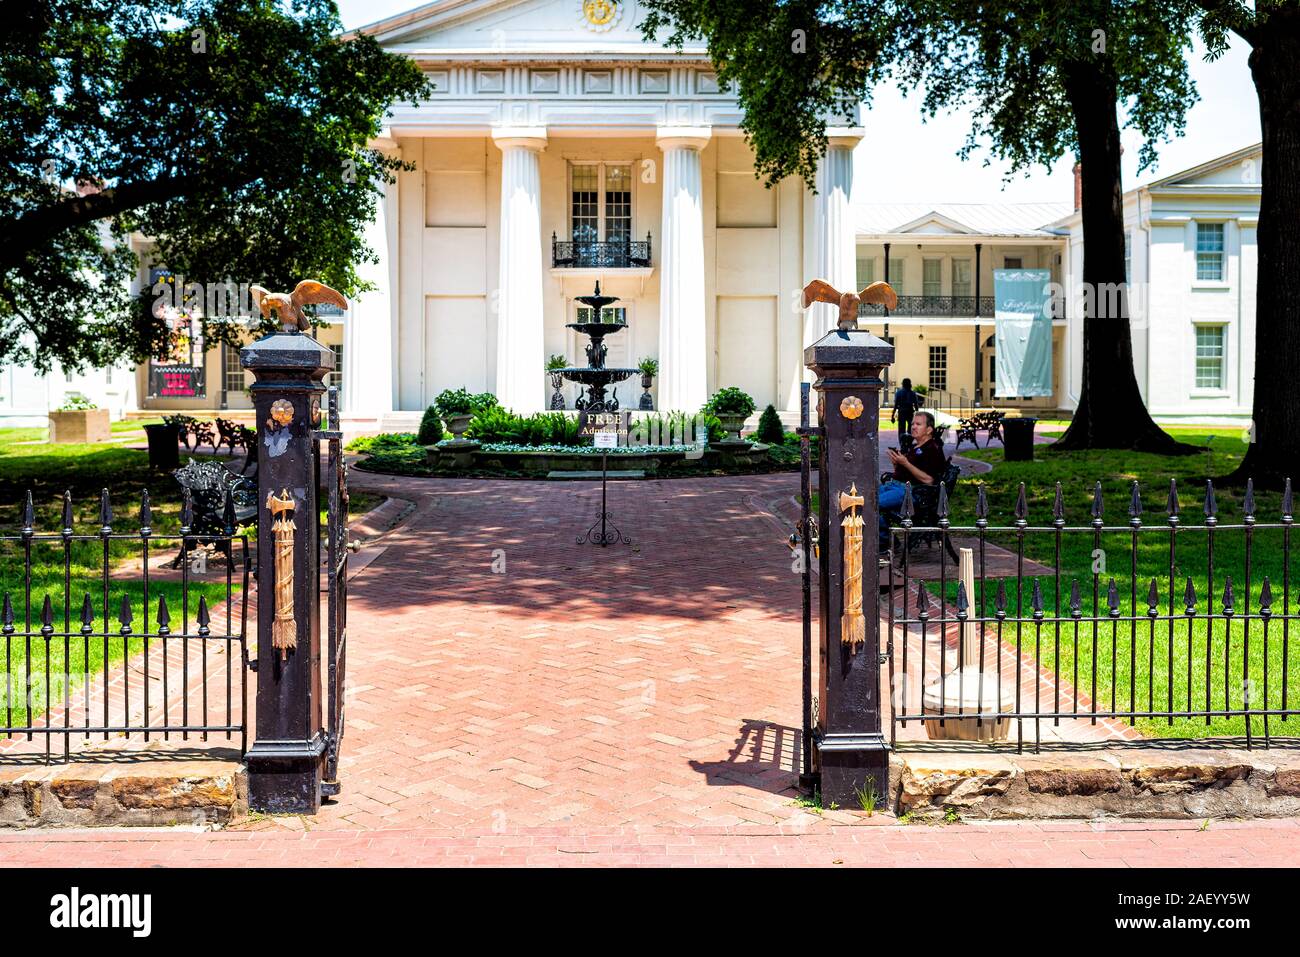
(596, 377)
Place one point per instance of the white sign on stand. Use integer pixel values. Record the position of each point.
(605, 440)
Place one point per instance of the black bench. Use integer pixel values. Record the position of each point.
(238, 437)
(220, 501)
(925, 511)
(190, 427)
(990, 422)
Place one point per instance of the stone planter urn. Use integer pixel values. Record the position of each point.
(647, 403)
(80, 425)
(457, 424)
(732, 423)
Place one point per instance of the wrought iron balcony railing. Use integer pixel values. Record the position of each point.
(617, 254)
(946, 307)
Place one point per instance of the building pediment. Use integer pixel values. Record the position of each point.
(502, 27)
(934, 223)
(1241, 168)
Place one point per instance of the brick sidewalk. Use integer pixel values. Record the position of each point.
(1074, 845)
(656, 684)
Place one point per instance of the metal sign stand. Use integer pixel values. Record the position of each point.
(609, 533)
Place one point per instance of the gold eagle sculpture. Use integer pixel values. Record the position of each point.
(879, 293)
(289, 305)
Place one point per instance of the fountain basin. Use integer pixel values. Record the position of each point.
(596, 330)
(598, 376)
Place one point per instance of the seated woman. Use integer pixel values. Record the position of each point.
(924, 464)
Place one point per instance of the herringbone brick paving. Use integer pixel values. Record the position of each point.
(502, 675)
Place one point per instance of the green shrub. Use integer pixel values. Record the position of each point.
(556, 361)
(430, 427)
(921, 389)
(75, 402)
(648, 366)
(462, 402)
(770, 430)
(658, 428)
(497, 425)
(386, 442)
(730, 401)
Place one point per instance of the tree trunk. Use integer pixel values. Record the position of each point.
(1111, 413)
(1274, 451)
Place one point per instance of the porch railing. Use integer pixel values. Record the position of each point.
(616, 254)
(945, 307)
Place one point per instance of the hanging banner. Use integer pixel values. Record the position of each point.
(1023, 323)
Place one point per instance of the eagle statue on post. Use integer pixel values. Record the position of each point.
(289, 305)
(878, 293)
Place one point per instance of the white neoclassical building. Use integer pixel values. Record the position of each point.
(1192, 262)
(561, 149)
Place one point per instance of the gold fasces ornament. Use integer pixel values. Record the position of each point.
(853, 625)
(878, 293)
(284, 629)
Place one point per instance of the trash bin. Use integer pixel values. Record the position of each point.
(1018, 439)
(164, 446)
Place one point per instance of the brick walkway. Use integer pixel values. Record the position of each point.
(501, 675)
(1073, 845)
(515, 698)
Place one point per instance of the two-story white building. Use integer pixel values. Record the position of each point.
(1192, 265)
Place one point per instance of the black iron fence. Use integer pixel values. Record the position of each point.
(1153, 628)
(100, 640)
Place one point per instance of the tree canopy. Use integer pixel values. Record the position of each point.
(232, 133)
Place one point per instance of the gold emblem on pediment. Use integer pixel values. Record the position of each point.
(600, 14)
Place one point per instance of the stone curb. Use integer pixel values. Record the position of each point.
(135, 794)
(1119, 782)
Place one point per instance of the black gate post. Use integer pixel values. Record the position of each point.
(286, 760)
(852, 749)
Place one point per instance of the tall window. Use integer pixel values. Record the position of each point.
(938, 367)
(896, 275)
(1012, 262)
(931, 284)
(1209, 251)
(866, 272)
(1209, 357)
(336, 377)
(961, 277)
(232, 371)
(601, 202)
(1128, 258)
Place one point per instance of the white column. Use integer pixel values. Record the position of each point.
(521, 356)
(683, 359)
(368, 327)
(834, 231)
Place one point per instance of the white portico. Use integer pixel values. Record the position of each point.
(560, 148)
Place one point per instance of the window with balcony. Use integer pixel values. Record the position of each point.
(931, 284)
(866, 272)
(1209, 252)
(600, 219)
(1210, 349)
(938, 367)
(896, 275)
(961, 278)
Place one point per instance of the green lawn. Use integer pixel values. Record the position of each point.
(47, 470)
(1132, 661)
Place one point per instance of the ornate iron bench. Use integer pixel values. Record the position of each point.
(238, 437)
(190, 427)
(217, 502)
(989, 422)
